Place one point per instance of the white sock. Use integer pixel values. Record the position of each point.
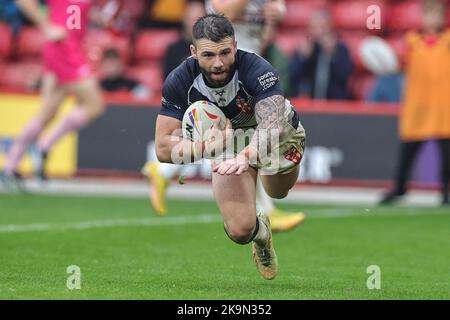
(169, 170)
(264, 203)
(262, 236)
(151, 151)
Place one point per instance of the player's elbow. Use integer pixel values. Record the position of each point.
(163, 153)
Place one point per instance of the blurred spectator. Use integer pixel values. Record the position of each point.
(11, 14)
(249, 18)
(380, 59)
(273, 54)
(387, 88)
(114, 78)
(163, 14)
(111, 15)
(426, 107)
(180, 50)
(321, 68)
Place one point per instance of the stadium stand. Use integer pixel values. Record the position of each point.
(298, 12)
(352, 14)
(149, 74)
(399, 46)
(19, 76)
(134, 8)
(353, 41)
(404, 15)
(5, 41)
(152, 44)
(99, 40)
(288, 41)
(29, 44)
(360, 84)
(144, 49)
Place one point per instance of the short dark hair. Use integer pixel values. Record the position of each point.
(213, 27)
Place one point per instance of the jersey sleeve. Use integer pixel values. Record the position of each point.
(173, 101)
(261, 78)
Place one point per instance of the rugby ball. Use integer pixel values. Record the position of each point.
(199, 118)
(378, 56)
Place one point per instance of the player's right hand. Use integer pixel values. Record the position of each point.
(218, 139)
(54, 33)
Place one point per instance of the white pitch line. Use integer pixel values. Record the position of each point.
(201, 219)
(108, 223)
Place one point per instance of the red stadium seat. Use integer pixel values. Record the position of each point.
(399, 45)
(360, 85)
(20, 76)
(150, 74)
(298, 12)
(352, 14)
(405, 15)
(5, 41)
(97, 41)
(353, 41)
(30, 43)
(289, 41)
(134, 8)
(151, 45)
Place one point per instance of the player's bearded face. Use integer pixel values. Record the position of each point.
(216, 59)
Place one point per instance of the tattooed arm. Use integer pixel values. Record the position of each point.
(269, 114)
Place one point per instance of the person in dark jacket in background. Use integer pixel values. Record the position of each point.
(114, 78)
(320, 68)
(178, 51)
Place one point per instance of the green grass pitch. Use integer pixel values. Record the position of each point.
(124, 251)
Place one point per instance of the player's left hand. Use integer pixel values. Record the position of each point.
(237, 166)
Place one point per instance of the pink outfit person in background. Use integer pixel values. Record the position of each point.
(66, 73)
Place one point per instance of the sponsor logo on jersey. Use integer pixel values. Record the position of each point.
(267, 80)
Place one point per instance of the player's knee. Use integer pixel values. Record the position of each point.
(241, 234)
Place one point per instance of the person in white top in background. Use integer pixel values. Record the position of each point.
(250, 19)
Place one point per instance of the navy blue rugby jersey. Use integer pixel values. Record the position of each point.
(253, 80)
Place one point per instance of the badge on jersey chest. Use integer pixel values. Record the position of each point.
(293, 155)
(243, 105)
(233, 99)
